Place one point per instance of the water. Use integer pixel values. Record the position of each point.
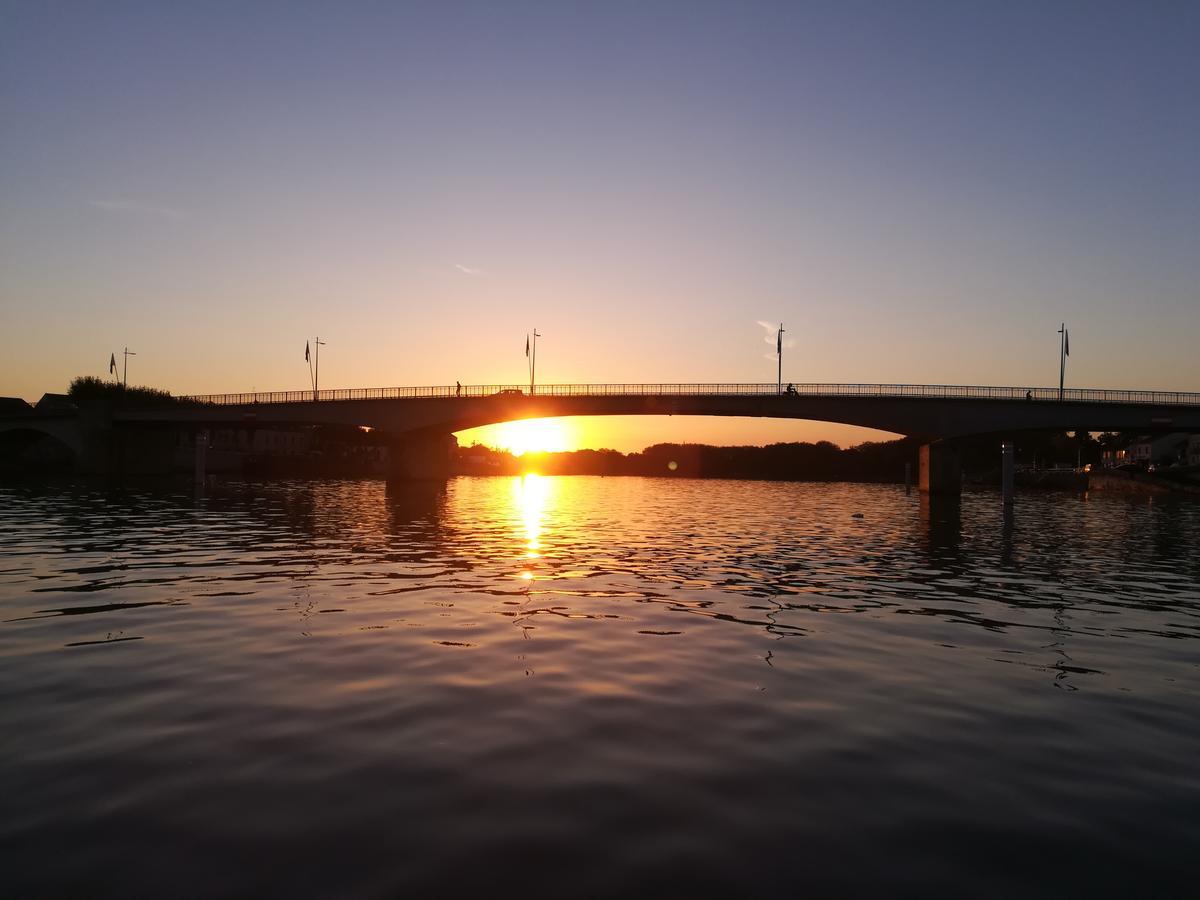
(597, 687)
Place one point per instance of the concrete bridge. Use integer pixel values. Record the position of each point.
(421, 418)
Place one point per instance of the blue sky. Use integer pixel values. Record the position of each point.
(920, 191)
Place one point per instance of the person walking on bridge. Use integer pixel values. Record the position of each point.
(458, 389)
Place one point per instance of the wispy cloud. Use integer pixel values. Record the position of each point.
(133, 207)
(770, 333)
(467, 270)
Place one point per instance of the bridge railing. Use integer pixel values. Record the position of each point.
(931, 391)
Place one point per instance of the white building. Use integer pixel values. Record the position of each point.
(1193, 450)
(1156, 448)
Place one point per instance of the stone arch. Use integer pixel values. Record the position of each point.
(45, 444)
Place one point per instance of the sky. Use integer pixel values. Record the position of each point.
(921, 192)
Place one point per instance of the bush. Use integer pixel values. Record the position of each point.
(88, 390)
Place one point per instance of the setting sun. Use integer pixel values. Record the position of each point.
(524, 436)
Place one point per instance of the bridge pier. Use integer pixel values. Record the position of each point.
(941, 519)
(941, 468)
(425, 456)
(201, 440)
(97, 448)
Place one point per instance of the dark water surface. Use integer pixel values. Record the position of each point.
(597, 687)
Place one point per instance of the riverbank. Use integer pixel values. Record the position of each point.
(1116, 481)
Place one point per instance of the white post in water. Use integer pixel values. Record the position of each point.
(1006, 472)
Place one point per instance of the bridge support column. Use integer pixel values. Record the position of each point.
(201, 454)
(941, 469)
(1007, 470)
(98, 452)
(98, 447)
(421, 456)
(941, 518)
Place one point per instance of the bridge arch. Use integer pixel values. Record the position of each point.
(40, 444)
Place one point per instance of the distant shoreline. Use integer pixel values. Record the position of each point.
(1103, 482)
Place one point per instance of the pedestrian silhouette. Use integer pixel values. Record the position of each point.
(458, 389)
(1029, 395)
(791, 388)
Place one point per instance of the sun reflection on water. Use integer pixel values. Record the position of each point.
(531, 493)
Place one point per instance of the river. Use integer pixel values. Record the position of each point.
(588, 686)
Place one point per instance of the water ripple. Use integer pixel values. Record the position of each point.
(596, 686)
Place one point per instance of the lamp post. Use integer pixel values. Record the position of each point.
(125, 369)
(317, 369)
(533, 364)
(779, 353)
(1063, 353)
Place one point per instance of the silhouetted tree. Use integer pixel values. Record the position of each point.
(88, 390)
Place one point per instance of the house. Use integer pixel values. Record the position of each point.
(478, 459)
(13, 406)
(56, 403)
(258, 440)
(1156, 448)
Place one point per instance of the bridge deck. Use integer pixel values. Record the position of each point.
(930, 391)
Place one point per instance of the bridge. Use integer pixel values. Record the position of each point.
(420, 418)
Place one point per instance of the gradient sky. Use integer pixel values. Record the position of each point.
(919, 191)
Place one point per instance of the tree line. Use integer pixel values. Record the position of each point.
(874, 461)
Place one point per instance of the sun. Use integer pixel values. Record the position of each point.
(527, 436)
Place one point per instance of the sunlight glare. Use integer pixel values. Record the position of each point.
(528, 436)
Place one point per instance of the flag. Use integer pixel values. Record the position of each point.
(112, 364)
(1067, 342)
(306, 351)
(526, 345)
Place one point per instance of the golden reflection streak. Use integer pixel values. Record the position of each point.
(530, 494)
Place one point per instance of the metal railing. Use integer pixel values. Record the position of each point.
(930, 391)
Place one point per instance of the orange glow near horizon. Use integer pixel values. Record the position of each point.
(526, 436)
(631, 434)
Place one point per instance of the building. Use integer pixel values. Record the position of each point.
(1155, 449)
(13, 406)
(262, 440)
(56, 403)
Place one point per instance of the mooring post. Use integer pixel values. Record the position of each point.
(1006, 472)
(201, 452)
